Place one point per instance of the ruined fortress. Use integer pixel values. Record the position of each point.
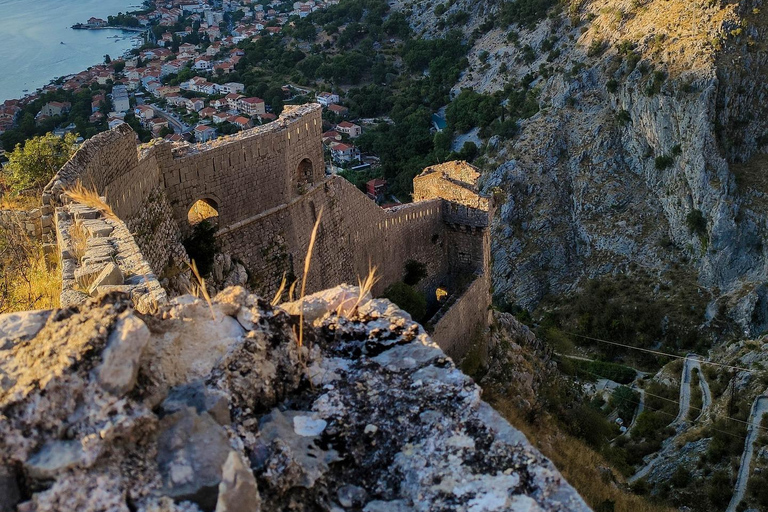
(268, 187)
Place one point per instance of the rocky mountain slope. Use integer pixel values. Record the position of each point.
(646, 150)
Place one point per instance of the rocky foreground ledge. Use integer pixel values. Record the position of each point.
(217, 407)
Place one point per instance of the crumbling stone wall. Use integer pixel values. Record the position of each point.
(250, 172)
(456, 326)
(98, 254)
(129, 179)
(268, 187)
(354, 235)
(454, 181)
(35, 223)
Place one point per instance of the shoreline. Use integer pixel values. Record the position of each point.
(82, 26)
(32, 94)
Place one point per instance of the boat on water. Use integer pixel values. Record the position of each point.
(62, 42)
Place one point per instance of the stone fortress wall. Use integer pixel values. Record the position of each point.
(268, 187)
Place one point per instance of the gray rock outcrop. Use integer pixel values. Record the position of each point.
(220, 407)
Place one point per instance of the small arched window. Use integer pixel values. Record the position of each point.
(303, 177)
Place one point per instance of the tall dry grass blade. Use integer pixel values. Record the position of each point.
(292, 290)
(307, 263)
(279, 294)
(89, 197)
(201, 287)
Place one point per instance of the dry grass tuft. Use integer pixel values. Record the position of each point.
(89, 197)
(199, 288)
(307, 263)
(280, 290)
(28, 277)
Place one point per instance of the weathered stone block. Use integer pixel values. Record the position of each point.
(120, 359)
(110, 275)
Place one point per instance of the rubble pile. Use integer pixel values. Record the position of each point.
(233, 406)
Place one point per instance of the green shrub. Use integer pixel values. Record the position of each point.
(596, 48)
(696, 222)
(624, 400)
(612, 85)
(35, 163)
(415, 271)
(664, 162)
(408, 299)
(611, 371)
(623, 117)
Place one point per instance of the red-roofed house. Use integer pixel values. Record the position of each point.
(251, 106)
(348, 128)
(344, 153)
(204, 133)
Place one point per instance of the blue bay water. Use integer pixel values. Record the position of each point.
(31, 33)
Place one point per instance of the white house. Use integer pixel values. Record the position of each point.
(327, 98)
(204, 133)
(344, 153)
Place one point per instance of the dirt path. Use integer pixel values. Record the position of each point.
(759, 407)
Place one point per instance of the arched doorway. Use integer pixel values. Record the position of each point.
(203, 210)
(303, 177)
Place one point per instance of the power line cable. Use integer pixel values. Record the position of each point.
(678, 403)
(659, 353)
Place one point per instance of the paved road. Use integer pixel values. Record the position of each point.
(706, 395)
(691, 361)
(759, 407)
(177, 125)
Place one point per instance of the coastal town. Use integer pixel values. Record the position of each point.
(181, 82)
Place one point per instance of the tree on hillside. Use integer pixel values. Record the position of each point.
(34, 164)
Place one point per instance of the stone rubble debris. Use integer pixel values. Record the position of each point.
(200, 407)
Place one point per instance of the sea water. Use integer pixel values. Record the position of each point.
(31, 33)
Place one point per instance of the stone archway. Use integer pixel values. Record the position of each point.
(205, 209)
(303, 177)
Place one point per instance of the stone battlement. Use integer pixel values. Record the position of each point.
(267, 187)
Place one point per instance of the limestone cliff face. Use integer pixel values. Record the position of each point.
(218, 406)
(647, 149)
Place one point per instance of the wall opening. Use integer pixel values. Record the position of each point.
(203, 209)
(303, 178)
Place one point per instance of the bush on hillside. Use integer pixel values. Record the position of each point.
(34, 164)
(408, 299)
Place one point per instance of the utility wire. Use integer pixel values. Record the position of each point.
(659, 353)
(678, 404)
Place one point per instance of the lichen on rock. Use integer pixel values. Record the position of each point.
(219, 407)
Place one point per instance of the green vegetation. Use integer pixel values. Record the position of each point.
(625, 309)
(664, 162)
(591, 370)
(624, 401)
(201, 246)
(696, 222)
(407, 298)
(655, 82)
(415, 271)
(77, 115)
(34, 164)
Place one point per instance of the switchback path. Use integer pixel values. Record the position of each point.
(691, 361)
(759, 407)
(706, 395)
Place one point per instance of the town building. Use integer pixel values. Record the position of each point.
(350, 129)
(326, 98)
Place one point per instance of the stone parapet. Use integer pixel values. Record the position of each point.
(98, 254)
